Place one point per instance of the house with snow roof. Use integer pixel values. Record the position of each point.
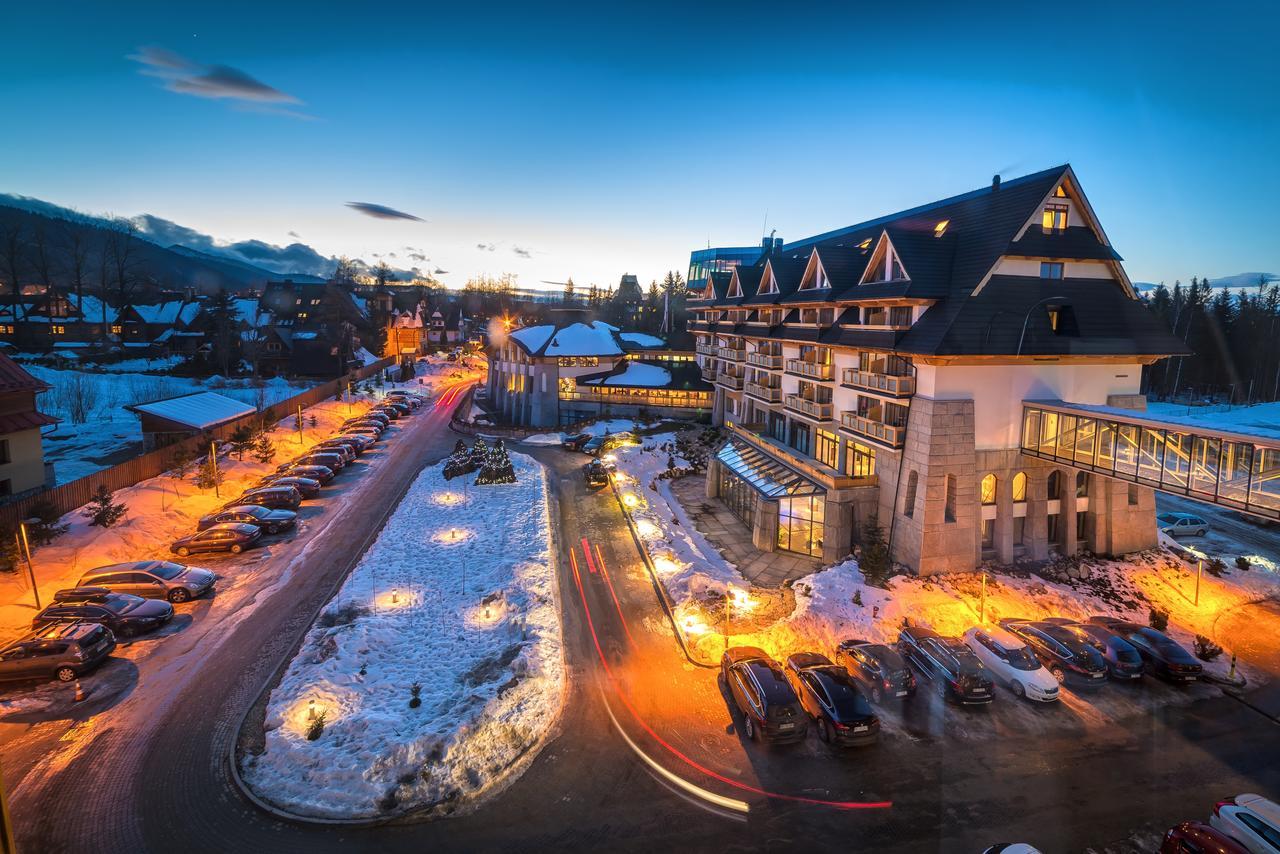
(53, 320)
(172, 419)
(169, 326)
(570, 368)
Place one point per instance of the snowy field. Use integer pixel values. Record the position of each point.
(109, 433)
(447, 598)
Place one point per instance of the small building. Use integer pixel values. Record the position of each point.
(175, 418)
(22, 466)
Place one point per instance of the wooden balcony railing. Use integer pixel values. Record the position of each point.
(813, 409)
(731, 354)
(729, 381)
(812, 370)
(764, 392)
(765, 360)
(705, 349)
(885, 434)
(883, 383)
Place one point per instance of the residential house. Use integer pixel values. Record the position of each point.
(22, 466)
(172, 419)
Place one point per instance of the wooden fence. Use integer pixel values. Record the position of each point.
(76, 493)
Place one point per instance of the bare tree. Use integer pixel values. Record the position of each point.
(13, 259)
(76, 396)
(122, 240)
(77, 259)
(383, 274)
(42, 252)
(345, 272)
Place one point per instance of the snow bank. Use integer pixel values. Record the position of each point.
(641, 339)
(489, 660)
(638, 374)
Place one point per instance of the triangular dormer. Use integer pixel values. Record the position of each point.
(885, 265)
(768, 281)
(815, 277)
(709, 292)
(735, 285)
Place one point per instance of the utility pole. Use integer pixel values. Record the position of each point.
(26, 549)
(300, 424)
(213, 467)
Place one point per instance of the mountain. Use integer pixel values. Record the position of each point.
(235, 267)
(1243, 282)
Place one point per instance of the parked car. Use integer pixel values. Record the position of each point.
(62, 651)
(390, 410)
(232, 537)
(574, 441)
(832, 700)
(1124, 664)
(372, 415)
(306, 486)
(368, 432)
(1012, 664)
(1251, 820)
(595, 474)
(322, 474)
(948, 663)
(770, 709)
(1067, 657)
(151, 579)
(123, 613)
(400, 396)
(328, 459)
(1194, 837)
(1161, 654)
(347, 450)
(877, 667)
(270, 521)
(363, 441)
(377, 424)
(1182, 525)
(271, 497)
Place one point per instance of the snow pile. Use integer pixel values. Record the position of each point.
(637, 374)
(641, 339)
(489, 660)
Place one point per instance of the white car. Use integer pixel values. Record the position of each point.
(1012, 664)
(1251, 820)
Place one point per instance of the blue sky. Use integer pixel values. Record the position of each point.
(604, 140)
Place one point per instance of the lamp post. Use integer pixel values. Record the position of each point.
(982, 612)
(300, 424)
(1027, 319)
(26, 549)
(213, 466)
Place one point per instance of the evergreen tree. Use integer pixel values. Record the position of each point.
(103, 511)
(874, 558)
(207, 475)
(459, 462)
(264, 450)
(569, 298)
(241, 440)
(497, 467)
(479, 452)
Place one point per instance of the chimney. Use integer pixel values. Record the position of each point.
(995, 183)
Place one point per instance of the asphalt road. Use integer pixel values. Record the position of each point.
(151, 773)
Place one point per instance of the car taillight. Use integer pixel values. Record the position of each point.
(888, 683)
(1217, 808)
(841, 726)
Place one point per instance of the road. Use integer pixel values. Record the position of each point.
(1231, 533)
(151, 774)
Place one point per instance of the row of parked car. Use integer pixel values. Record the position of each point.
(78, 631)
(1033, 659)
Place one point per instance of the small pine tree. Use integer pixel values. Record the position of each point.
(241, 440)
(1206, 650)
(497, 467)
(103, 511)
(207, 477)
(479, 452)
(264, 450)
(1216, 567)
(313, 421)
(874, 559)
(47, 527)
(1159, 620)
(459, 462)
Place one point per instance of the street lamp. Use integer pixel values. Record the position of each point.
(26, 548)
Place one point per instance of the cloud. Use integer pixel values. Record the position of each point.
(295, 235)
(438, 272)
(486, 247)
(382, 211)
(294, 258)
(216, 82)
(417, 256)
(522, 252)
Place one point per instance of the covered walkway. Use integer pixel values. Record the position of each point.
(1216, 466)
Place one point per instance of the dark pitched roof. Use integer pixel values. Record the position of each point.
(1076, 243)
(14, 378)
(16, 422)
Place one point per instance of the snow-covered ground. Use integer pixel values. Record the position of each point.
(450, 601)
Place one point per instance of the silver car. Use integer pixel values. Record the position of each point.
(153, 579)
(1182, 525)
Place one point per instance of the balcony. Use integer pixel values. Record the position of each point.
(729, 381)
(809, 408)
(731, 354)
(812, 370)
(765, 360)
(763, 392)
(886, 434)
(705, 349)
(709, 372)
(883, 383)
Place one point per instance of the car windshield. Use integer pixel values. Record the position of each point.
(1167, 518)
(255, 511)
(847, 700)
(1021, 659)
(167, 571)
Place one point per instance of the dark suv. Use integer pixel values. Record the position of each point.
(270, 497)
(877, 667)
(949, 663)
(831, 697)
(123, 613)
(770, 709)
(1161, 654)
(63, 651)
(1123, 661)
(1062, 652)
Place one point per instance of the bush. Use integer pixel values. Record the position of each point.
(1206, 650)
(316, 726)
(1158, 620)
(857, 598)
(1216, 567)
(1242, 562)
(102, 511)
(208, 476)
(241, 440)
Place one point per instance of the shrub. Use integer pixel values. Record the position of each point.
(1206, 650)
(315, 727)
(1158, 620)
(1242, 562)
(208, 476)
(102, 511)
(241, 440)
(1216, 567)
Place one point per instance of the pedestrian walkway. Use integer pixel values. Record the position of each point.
(733, 539)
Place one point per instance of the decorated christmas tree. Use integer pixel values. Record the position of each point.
(459, 462)
(497, 467)
(479, 452)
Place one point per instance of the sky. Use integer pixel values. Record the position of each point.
(551, 142)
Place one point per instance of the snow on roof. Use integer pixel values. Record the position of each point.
(174, 311)
(251, 312)
(365, 356)
(637, 374)
(584, 339)
(641, 339)
(200, 410)
(304, 335)
(533, 337)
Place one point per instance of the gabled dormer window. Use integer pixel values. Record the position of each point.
(884, 265)
(768, 285)
(818, 280)
(1054, 219)
(735, 288)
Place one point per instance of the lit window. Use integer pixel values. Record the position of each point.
(1020, 487)
(989, 489)
(1051, 269)
(59, 330)
(1055, 218)
(941, 228)
(865, 245)
(116, 329)
(302, 315)
(1061, 192)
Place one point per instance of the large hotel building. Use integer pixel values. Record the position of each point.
(893, 369)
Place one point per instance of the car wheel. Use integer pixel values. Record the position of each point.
(1059, 674)
(1017, 689)
(179, 595)
(236, 549)
(749, 727)
(65, 674)
(824, 730)
(184, 551)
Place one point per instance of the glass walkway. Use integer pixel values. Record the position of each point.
(1217, 466)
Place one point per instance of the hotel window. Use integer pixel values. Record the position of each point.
(116, 329)
(1082, 484)
(826, 448)
(1060, 192)
(989, 489)
(59, 330)
(900, 315)
(988, 535)
(1054, 219)
(800, 523)
(1051, 269)
(302, 315)
(949, 509)
(1019, 487)
(7, 329)
(1019, 529)
(859, 460)
(1055, 485)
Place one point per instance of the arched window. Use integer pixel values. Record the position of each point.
(950, 509)
(1020, 487)
(989, 489)
(1082, 484)
(909, 503)
(1055, 485)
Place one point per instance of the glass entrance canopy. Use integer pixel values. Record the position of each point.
(766, 475)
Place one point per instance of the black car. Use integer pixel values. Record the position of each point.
(390, 410)
(347, 450)
(1124, 663)
(1063, 653)
(574, 441)
(595, 474)
(362, 441)
(123, 613)
(832, 699)
(950, 664)
(375, 425)
(1161, 654)
(770, 709)
(877, 667)
(308, 487)
(323, 474)
(329, 459)
(270, 521)
(63, 651)
(271, 497)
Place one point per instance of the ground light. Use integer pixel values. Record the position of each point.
(646, 529)
(447, 499)
(629, 499)
(395, 599)
(453, 536)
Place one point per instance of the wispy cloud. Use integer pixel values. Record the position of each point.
(438, 272)
(216, 82)
(295, 235)
(486, 247)
(382, 211)
(417, 256)
(522, 252)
